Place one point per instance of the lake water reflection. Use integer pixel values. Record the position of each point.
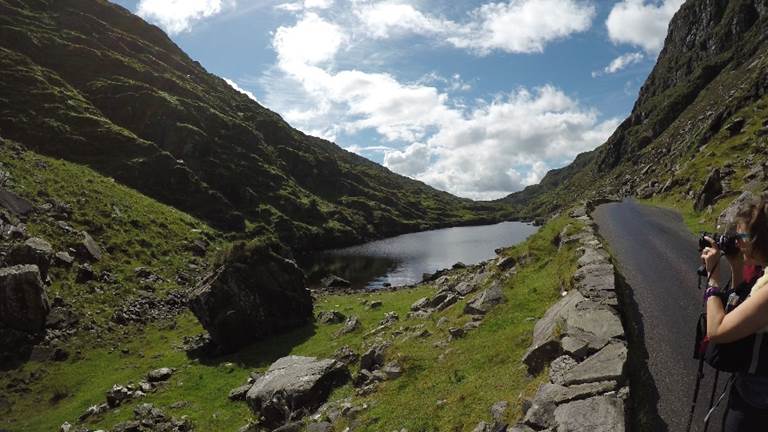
(402, 260)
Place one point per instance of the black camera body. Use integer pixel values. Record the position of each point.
(724, 242)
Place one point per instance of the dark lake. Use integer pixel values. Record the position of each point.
(402, 260)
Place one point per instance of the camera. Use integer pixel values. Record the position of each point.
(724, 242)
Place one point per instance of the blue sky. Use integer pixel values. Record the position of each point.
(476, 98)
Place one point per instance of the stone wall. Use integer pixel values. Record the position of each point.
(582, 341)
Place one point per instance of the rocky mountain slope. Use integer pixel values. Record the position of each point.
(702, 107)
(89, 82)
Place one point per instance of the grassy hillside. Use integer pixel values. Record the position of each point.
(89, 82)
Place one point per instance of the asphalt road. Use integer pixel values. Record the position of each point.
(658, 257)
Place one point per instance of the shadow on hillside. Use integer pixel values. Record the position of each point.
(259, 354)
(644, 398)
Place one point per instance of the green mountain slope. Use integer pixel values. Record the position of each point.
(712, 71)
(87, 81)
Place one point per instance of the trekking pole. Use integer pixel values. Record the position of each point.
(712, 399)
(699, 376)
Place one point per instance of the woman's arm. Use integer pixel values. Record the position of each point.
(750, 317)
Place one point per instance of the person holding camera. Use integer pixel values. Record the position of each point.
(727, 323)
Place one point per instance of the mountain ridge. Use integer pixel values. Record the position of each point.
(121, 97)
(712, 65)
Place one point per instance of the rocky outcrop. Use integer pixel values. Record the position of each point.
(254, 295)
(293, 387)
(712, 189)
(582, 340)
(23, 300)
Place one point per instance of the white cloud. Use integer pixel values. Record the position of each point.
(524, 26)
(641, 24)
(311, 41)
(512, 142)
(307, 4)
(484, 152)
(176, 16)
(411, 161)
(240, 89)
(620, 63)
(517, 26)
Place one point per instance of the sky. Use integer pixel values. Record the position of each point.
(476, 98)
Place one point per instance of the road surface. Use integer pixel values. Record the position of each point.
(657, 257)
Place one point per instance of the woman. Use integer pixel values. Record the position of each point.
(748, 402)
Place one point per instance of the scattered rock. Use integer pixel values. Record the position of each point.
(257, 290)
(14, 203)
(346, 355)
(61, 318)
(455, 333)
(238, 393)
(293, 386)
(23, 300)
(485, 301)
(506, 263)
(392, 370)
(330, 317)
(34, 251)
(389, 319)
(420, 304)
(85, 273)
(351, 324)
(375, 304)
(64, 259)
(88, 249)
(373, 358)
(162, 374)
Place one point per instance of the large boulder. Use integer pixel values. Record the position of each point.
(14, 203)
(485, 301)
(255, 294)
(712, 188)
(23, 301)
(33, 251)
(293, 387)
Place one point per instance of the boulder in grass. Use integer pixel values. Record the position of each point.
(14, 203)
(255, 294)
(33, 251)
(293, 386)
(161, 374)
(23, 301)
(88, 249)
(485, 301)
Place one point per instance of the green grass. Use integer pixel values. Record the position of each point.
(132, 230)
(471, 375)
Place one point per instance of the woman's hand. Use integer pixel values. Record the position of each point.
(711, 257)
